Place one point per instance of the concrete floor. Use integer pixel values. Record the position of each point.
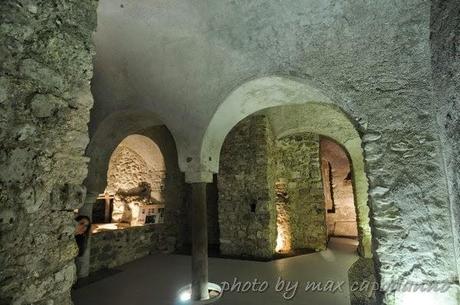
(155, 279)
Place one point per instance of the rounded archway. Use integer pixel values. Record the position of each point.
(135, 178)
(275, 154)
(249, 98)
(135, 153)
(105, 137)
(136, 159)
(330, 121)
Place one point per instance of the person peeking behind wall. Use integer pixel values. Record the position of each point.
(82, 232)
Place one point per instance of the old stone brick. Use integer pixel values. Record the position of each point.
(44, 105)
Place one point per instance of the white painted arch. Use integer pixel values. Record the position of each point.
(305, 109)
(108, 135)
(251, 97)
(328, 120)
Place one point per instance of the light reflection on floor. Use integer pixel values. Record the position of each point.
(154, 280)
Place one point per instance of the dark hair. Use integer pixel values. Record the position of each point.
(82, 239)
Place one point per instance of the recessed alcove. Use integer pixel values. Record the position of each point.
(342, 228)
(134, 195)
(304, 182)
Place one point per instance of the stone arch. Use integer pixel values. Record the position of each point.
(137, 159)
(105, 139)
(308, 110)
(316, 118)
(249, 98)
(328, 120)
(109, 133)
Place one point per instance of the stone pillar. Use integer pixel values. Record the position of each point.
(199, 243)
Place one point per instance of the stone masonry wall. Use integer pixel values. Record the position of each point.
(175, 225)
(126, 170)
(263, 181)
(110, 249)
(45, 70)
(298, 167)
(246, 201)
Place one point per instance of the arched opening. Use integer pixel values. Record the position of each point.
(272, 189)
(135, 192)
(135, 186)
(337, 176)
(271, 186)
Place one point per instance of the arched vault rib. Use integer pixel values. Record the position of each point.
(109, 133)
(327, 120)
(251, 97)
(305, 109)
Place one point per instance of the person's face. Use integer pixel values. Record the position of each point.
(82, 226)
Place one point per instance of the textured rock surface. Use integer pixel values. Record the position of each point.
(129, 244)
(255, 167)
(298, 166)
(110, 249)
(45, 69)
(128, 168)
(359, 274)
(445, 45)
(247, 216)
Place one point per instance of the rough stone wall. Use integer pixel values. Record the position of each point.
(342, 221)
(126, 170)
(372, 59)
(175, 225)
(246, 205)
(298, 166)
(110, 249)
(113, 248)
(445, 45)
(45, 70)
(281, 181)
(362, 271)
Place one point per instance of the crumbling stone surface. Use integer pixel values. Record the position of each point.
(262, 182)
(298, 166)
(46, 66)
(127, 170)
(362, 272)
(110, 249)
(247, 216)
